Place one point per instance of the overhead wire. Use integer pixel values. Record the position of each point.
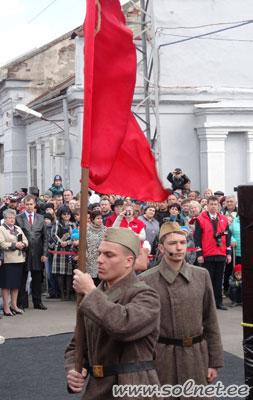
(41, 12)
(206, 34)
(208, 38)
(202, 26)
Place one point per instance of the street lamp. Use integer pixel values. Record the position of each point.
(25, 111)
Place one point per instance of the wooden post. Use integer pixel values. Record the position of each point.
(79, 329)
(245, 210)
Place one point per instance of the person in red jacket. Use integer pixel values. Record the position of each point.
(117, 207)
(212, 241)
(126, 220)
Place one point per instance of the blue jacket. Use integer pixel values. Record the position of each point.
(236, 235)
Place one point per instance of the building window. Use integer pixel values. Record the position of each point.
(1, 158)
(33, 165)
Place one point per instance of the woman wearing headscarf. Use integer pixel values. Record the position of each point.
(13, 243)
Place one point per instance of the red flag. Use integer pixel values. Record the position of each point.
(114, 147)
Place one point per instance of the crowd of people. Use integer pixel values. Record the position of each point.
(41, 233)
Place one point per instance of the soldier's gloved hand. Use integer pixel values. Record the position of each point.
(76, 380)
(83, 283)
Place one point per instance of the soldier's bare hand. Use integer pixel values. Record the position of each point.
(76, 380)
(211, 374)
(83, 283)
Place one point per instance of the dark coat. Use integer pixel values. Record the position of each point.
(121, 326)
(37, 239)
(187, 310)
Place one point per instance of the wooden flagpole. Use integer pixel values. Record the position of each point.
(89, 34)
(79, 329)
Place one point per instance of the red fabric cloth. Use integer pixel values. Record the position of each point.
(136, 225)
(115, 149)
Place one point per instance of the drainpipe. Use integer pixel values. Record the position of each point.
(66, 145)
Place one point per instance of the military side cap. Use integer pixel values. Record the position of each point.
(124, 236)
(169, 227)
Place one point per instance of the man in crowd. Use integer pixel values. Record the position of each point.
(192, 195)
(230, 208)
(212, 240)
(106, 209)
(189, 346)
(67, 196)
(163, 212)
(172, 198)
(178, 179)
(185, 208)
(34, 229)
(59, 200)
(219, 194)
(122, 314)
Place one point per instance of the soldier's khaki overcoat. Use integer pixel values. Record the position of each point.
(121, 326)
(187, 310)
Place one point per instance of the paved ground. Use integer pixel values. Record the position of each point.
(60, 318)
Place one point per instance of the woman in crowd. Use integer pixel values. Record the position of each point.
(194, 212)
(61, 233)
(208, 193)
(152, 225)
(174, 210)
(13, 243)
(72, 204)
(236, 238)
(95, 234)
(126, 220)
(203, 203)
(49, 209)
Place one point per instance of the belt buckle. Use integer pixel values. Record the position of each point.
(98, 371)
(187, 342)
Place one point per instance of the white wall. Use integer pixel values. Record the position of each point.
(204, 62)
(209, 147)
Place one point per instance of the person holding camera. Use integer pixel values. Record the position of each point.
(212, 240)
(178, 179)
(126, 220)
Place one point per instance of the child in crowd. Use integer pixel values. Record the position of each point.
(235, 286)
(76, 215)
(57, 187)
(74, 248)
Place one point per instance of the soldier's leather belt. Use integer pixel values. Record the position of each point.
(186, 342)
(100, 371)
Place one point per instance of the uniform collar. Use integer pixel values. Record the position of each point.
(170, 275)
(114, 293)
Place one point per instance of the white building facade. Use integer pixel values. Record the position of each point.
(205, 90)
